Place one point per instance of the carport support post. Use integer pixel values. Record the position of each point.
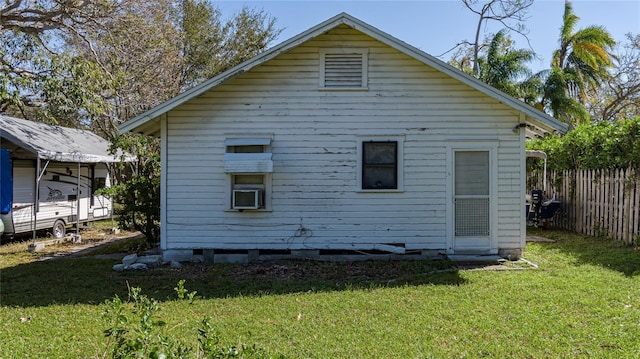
(35, 197)
(78, 207)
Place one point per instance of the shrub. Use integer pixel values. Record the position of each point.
(602, 145)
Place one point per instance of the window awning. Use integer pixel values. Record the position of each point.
(247, 141)
(248, 163)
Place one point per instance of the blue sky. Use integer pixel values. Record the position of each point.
(435, 26)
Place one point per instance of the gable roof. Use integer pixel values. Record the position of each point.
(54, 142)
(537, 121)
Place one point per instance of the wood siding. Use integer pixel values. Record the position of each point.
(314, 153)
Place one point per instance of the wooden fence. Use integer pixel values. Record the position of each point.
(596, 202)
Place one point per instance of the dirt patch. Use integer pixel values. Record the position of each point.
(357, 271)
(363, 271)
(92, 241)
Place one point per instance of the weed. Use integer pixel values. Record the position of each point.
(135, 333)
(183, 293)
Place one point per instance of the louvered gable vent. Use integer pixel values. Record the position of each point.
(344, 69)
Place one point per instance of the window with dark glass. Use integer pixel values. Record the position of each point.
(380, 165)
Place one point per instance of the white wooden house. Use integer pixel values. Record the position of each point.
(342, 138)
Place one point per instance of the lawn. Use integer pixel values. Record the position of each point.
(581, 301)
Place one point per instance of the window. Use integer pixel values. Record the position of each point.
(343, 69)
(99, 183)
(380, 163)
(248, 165)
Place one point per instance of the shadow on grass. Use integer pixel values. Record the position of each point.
(90, 280)
(606, 253)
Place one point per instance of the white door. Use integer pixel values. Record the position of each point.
(472, 201)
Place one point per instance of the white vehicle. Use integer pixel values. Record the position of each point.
(49, 176)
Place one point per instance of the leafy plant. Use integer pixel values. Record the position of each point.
(603, 145)
(139, 194)
(183, 293)
(135, 333)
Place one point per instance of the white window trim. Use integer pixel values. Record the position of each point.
(235, 161)
(399, 139)
(364, 52)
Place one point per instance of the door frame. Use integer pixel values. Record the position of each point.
(484, 146)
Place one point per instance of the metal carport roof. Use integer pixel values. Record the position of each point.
(38, 140)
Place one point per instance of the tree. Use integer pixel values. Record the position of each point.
(139, 194)
(510, 13)
(37, 78)
(210, 46)
(504, 68)
(618, 97)
(139, 51)
(581, 63)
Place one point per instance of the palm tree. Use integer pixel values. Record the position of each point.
(581, 62)
(504, 68)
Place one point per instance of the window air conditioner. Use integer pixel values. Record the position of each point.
(247, 198)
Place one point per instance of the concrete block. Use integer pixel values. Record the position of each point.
(176, 265)
(208, 255)
(151, 261)
(432, 254)
(35, 247)
(253, 255)
(474, 258)
(179, 255)
(129, 259)
(231, 258)
(198, 258)
(512, 254)
(305, 253)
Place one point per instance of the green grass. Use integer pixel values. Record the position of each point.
(582, 302)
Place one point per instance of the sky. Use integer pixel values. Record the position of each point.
(436, 26)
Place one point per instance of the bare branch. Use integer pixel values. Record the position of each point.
(510, 13)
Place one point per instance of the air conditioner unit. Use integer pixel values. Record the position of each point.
(247, 199)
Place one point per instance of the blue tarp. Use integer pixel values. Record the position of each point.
(6, 182)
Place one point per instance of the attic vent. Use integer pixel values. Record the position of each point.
(343, 69)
